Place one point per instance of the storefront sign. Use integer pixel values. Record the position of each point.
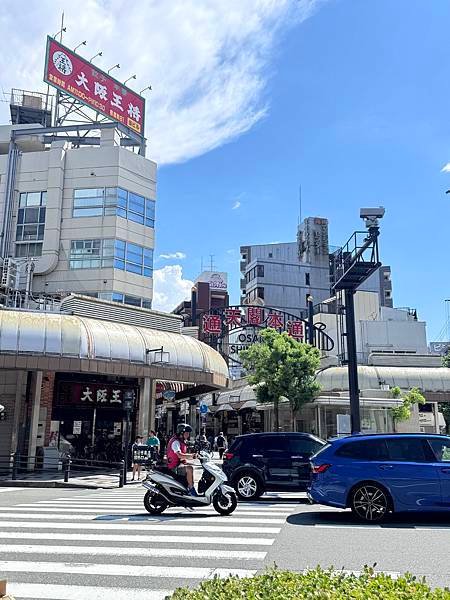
(217, 281)
(76, 428)
(426, 419)
(89, 395)
(79, 78)
(441, 348)
(235, 328)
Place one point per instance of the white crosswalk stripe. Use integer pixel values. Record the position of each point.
(103, 544)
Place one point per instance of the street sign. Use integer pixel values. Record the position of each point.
(169, 394)
(203, 409)
(76, 428)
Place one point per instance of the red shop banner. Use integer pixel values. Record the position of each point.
(77, 77)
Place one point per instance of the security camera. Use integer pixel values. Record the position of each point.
(371, 215)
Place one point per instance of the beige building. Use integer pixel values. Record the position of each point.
(81, 215)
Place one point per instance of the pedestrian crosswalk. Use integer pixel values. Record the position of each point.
(102, 544)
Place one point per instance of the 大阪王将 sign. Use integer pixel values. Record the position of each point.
(76, 76)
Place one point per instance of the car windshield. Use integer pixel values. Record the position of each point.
(322, 449)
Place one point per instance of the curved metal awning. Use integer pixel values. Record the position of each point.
(60, 342)
(428, 379)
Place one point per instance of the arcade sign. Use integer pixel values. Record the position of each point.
(235, 328)
(80, 79)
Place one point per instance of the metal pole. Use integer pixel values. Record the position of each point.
(67, 469)
(310, 321)
(352, 361)
(127, 443)
(94, 420)
(121, 473)
(15, 465)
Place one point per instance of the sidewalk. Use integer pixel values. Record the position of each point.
(53, 479)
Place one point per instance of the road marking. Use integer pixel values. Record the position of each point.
(11, 566)
(126, 503)
(11, 489)
(124, 514)
(136, 539)
(42, 591)
(138, 525)
(124, 551)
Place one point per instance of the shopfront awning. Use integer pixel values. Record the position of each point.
(32, 340)
(249, 404)
(224, 407)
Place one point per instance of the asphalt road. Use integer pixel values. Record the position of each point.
(72, 544)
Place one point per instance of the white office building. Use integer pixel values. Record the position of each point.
(76, 217)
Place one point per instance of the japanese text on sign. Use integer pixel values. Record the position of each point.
(77, 77)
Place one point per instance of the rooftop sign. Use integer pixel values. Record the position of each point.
(77, 77)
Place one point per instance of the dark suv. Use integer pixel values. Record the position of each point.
(260, 462)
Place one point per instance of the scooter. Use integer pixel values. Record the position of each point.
(165, 488)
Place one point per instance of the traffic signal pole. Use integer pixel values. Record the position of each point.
(352, 359)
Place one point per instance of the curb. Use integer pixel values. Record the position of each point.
(52, 484)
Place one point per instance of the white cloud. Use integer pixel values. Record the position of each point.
(208, 62)
(236, 205)
(169, 288)
(446, 168)
(231, 251)
(173, 255)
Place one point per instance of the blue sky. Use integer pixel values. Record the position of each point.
(358, 114)
(350, 98)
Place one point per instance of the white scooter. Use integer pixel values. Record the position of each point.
(164, 489)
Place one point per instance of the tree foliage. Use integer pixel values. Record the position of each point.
(280, 366)
(403, 412)
(446, 360)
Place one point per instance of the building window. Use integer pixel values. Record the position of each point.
(260, 292)
(133, 258)
(125, 299)
(30, 224)
(388, 294)
(270, 254)
(260, 271)
(96, 202)
(307, 279)
(91, 254)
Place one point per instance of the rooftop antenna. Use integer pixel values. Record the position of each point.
(201, 265)
(211, 262)
(299, 204)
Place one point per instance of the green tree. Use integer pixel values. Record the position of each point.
(403, 411)
(446, 360)
(280, 366)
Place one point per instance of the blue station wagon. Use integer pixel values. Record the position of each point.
(377, 474)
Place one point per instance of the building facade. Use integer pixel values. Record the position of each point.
(76, 218)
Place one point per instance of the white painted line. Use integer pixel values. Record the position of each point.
(138, 504)
(138, 526)
(137, 539)
(73, 513)
(12, 566)
(11, 489)
(124, 551)
(42, 591)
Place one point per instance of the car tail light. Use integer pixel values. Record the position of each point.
(228, 455)
(320, 468)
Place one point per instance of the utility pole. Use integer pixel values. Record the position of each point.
(352, 265)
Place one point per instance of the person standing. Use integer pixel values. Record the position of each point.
(153, 442)
(136, 463)
(221, 444)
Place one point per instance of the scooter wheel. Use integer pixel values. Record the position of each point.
(225, 504)
(154, 503)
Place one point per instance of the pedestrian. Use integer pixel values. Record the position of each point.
(134, 453)
(154, 444)
(221, 444)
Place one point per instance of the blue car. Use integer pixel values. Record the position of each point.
(377, 474)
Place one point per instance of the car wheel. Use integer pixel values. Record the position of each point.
(370, 502)
(248, 486)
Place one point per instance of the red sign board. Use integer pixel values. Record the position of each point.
(88, 395)
(82, 80)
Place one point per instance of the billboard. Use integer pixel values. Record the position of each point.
(217, 281)
(77, 77)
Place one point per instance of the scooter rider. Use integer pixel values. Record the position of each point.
(177, 455)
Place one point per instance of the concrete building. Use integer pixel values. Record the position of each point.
(392, 333)
(210, 291)
(76, 218)
(283, 275)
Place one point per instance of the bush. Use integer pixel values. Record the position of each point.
(315, 584)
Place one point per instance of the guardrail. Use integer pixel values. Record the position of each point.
(14, 464)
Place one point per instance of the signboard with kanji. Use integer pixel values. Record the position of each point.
(89, 395)
(234, 328)
(77, 77)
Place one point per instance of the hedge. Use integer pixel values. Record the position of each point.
(314, 584)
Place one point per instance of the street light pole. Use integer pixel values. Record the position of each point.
(310, 320)
(353, 386)
(128, 403)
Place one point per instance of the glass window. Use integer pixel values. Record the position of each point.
(407, 449)
(441, 448)
(260, 271)
(133, 300)
(271, 444)
(88, 193)
(146, 303)
(133, 258)
(303, 446)
(89, 254)
(364, 450)
(29, 249)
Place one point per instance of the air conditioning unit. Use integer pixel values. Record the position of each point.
(9, 273)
